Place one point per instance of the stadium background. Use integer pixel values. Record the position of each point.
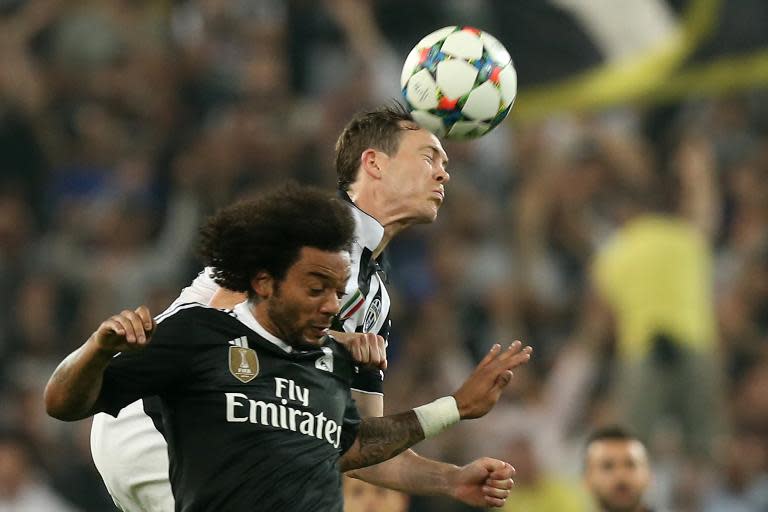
(123, 123)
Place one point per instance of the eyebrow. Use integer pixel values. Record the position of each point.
(325, 277)
(434, 148)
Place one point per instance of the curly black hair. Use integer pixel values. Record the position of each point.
(266, 233)
(378, 129)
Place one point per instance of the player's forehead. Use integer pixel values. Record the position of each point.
(421, 139)
(616, 450)
(332, 266)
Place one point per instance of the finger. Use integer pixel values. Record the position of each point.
(505, 472)
(518, 359)
(110, 326)
(492, 466)
(127, 328)
(357, 354)
(137, 324)
(365, 350)
(514, 348)
(374, 353)
(146, 317)
(490, 356)
(381, 345)
(505, 484)
(494, 502)
(494, 492)
(503, 379)
(378, 355)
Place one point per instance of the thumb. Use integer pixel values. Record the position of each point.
(503, 471)
(491, 465)
(503, 379)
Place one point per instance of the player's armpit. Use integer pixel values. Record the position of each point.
(380, 439)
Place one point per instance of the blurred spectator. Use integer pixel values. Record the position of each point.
(616, 471)
(21, 490)
(743, 476)
(656, 277)
(537, 490)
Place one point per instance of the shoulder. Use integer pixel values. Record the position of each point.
(191, 318)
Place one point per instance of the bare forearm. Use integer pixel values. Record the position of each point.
(411, 473)
(380, 439)
(73, 389)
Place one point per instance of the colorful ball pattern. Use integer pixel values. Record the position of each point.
(459, 82)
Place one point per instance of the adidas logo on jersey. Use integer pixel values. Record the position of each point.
(242, 341)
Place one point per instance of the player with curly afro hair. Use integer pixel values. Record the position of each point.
(266, 233)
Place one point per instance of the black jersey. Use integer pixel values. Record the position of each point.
(251, 424)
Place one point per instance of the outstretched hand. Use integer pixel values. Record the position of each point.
(482, 389)
(128, 330)
(482, 483)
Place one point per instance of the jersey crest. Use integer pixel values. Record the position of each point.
(243, 363)
(372, 314)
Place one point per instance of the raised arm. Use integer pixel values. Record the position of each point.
(379, 439)
(73, 389)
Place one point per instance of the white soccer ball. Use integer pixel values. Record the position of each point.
(459, 82)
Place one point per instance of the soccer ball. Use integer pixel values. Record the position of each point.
(459, 82)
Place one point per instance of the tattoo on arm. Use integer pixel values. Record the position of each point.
(380, 439)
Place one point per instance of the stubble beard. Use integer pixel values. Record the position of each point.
(635, 506)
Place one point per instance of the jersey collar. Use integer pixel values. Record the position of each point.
(245, 315)
(368, 230)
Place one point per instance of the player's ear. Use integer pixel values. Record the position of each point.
(263, 285)
(370, 162)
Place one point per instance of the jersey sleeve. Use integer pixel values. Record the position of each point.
(368, 380)
(350, 426)
(158, 368)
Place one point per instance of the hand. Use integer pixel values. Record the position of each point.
(128, 330)
(367, 349)
(482, 389)
(482, 483)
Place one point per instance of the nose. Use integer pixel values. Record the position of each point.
(331, 305)
(442, 176)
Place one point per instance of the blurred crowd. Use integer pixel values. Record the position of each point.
(124, 123)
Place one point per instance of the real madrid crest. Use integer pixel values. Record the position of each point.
(243, 363)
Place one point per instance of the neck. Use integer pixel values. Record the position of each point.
(392, 218)
(259, 311)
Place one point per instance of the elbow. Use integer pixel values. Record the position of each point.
(56, 407)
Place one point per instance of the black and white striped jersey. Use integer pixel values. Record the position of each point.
(366, 304)
(251, 423)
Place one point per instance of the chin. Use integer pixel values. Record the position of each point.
(312, 342)
(428, 217)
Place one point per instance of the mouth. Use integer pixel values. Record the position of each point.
(439, 194)
(321, 329)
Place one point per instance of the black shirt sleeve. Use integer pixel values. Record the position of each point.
(159, 367)
(368, 380)
(350, 426)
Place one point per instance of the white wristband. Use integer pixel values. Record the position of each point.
(438, 415)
